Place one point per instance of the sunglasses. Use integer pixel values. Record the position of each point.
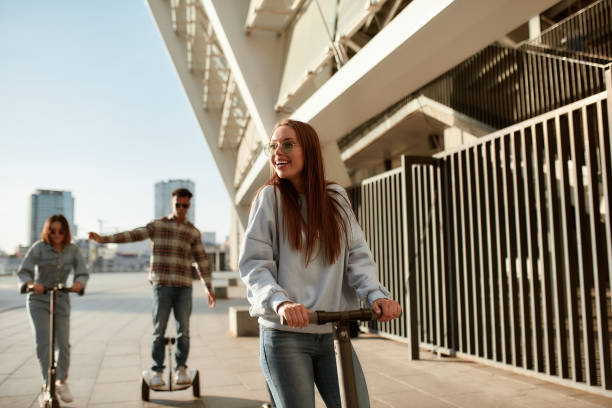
(58, 232)
(286, 147)
(179, 205)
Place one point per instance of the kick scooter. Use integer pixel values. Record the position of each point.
(50, 399)
(342, 346)
(145, 382)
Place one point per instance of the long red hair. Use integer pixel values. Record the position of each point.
(46, 231)
(326, 227)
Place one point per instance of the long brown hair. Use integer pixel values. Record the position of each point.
(326, 227)
(46, 232)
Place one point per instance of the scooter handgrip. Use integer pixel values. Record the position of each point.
(312, 319)
(347, 316)
(322, 317)
(68, 289)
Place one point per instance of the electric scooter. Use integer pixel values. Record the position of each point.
(342, 346)
(145, 382)
(49, 399)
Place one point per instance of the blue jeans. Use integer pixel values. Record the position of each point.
(166, 298)
(38, 308)
(294, 362)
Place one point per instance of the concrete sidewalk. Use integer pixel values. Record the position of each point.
(111, 329)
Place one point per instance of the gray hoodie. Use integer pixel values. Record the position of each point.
(318, 286)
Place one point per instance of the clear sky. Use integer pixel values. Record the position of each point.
(90, 103)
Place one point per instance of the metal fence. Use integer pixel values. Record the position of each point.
(586, 34)
(378, 205)
(502, 250)
(502, 86)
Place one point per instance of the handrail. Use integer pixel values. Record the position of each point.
(572, 57)
(485, 85)
(585, 34)
(566, 20)
(524, 124)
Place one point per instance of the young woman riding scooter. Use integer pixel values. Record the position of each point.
(304, 251)
(48, 264)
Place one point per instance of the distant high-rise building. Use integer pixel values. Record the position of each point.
(209, 237)
(45, 203)
(163, 197)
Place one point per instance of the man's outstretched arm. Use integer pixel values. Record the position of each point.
(138, 234)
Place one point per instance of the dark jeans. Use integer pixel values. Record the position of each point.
(294, 362)
(167, 298)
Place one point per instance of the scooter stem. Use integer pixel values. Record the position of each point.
(51, 373)
(169, 365)
(344, 362)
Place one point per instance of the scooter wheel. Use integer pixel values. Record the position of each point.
(195, 385)
(144, 390)
(51, 404)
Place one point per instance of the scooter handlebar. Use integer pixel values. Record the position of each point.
(322, 317)
(57, 288)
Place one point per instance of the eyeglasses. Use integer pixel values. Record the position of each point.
(179, 205)
(53, 231)
(286, 147)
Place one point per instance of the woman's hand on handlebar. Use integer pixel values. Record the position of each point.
(386, 309)
(295, 314)
(36, 287)
(77, 287)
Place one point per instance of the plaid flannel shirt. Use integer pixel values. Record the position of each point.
(174, 245)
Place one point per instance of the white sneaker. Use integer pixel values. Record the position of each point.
(157, 380)
(64, 392)
(182, 377)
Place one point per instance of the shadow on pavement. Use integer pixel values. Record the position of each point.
(207, 402)
(196, 403)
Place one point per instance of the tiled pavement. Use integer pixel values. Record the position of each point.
(111, 328)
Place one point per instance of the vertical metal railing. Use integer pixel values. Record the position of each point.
(587, 33)
(502, 86)
(502, 250)
(529, 244)
(378, 205)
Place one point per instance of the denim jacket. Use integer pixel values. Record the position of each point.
(43, 264)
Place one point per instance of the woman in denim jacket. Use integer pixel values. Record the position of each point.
(47, 263)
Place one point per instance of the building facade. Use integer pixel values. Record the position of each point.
(45, 203)
(163, 197)
(442, 105)
(245, 65)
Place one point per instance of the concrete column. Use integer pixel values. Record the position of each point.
(534, 27)
(217, 260)
(235, 240)
(455, 137)
(335, 170)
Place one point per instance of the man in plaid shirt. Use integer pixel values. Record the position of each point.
(175, 241)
